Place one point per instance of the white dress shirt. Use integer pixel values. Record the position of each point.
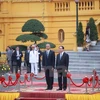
(61, 54)
(18, 56)
(47, 52)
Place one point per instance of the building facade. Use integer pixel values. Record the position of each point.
(57, 16)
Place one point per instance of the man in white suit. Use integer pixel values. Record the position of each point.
(33, 59)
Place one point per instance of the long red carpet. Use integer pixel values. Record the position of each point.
(42, 95)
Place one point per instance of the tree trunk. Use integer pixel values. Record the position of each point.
(35, 42)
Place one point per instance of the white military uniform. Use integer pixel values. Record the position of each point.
(33, 59)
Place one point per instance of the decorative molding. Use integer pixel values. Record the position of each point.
(97, 22)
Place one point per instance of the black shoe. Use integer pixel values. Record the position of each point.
(39, 71)
(59, 89)
(50, 88)
(64, 89)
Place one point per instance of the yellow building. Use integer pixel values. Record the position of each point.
(54, 14)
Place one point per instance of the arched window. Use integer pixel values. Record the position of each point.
(61, 35)
(0, 31)
(0, 7)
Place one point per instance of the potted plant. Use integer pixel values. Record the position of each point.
(93, 32)
(4, 68)
(80, 37)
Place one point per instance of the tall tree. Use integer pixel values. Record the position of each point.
(36, 29)
(80, 35)
(93, 30)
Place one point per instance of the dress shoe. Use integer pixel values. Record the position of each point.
(50, 89)
(59, 89)
(39, 71)
(64, 89)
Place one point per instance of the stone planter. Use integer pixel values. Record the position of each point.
(79, 49)
(93, 43)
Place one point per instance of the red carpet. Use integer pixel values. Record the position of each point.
(39, 99)
(42, 95)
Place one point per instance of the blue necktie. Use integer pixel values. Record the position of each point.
(60, 55)
(47, 53)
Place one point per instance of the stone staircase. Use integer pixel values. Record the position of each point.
(81, 64)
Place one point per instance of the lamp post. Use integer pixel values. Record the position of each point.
(76, 1)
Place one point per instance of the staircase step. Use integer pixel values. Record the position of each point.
(42, 94)
(28, 98)
(84, 68)
(95, 48)
(83, 72)
(83, 61)
(84, 64)
(86, 54)
(83, 52)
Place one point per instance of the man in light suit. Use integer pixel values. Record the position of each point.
(9, 56)
(62, 63)
(48, 62)
(33, 59)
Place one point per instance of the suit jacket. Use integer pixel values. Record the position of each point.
(40, 54)
(20, 57)
(34, 56)
(14, 59)
(63, 62)
(9, 55)
(50, 60)
(26, 57)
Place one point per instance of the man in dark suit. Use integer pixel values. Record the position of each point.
(62, 63)
(13, 58)
(26, 58)
(18, 55)
(48, 62)
(40, 54)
